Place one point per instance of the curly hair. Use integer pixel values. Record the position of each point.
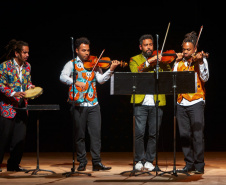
(12, 47)
(81, 40)
(146, 36)
(190, 37)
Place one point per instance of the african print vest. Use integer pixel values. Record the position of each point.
(90, 94)
(200, 85)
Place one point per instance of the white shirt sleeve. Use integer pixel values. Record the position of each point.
(12, 94)
(102, 78)
(65, 75)
(175, 66)
(204, 70)
(147, 64)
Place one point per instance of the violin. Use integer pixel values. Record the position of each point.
(194, 56)
(194, 59)
(104, 62)
(167, 57)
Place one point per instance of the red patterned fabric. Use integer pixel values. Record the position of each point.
(10, 82)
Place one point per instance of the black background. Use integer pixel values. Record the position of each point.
(48, 26)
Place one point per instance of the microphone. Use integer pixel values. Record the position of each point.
(157, 42)
(157, 36)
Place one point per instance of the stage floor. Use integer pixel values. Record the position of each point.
(215, 170)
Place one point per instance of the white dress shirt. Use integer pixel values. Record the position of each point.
(67, 76)
(149, 98)
(204, 76)
(19, 72)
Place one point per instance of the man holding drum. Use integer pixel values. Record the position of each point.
(15, 78)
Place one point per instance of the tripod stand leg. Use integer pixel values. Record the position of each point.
(68, 174)
(35, 171)
(175, 173)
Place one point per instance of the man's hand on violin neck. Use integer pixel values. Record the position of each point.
(114, 64)
(154, 59)
(199, 57)
(179, 57)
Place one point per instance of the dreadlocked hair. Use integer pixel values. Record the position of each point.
(190, 37)
(12, 47)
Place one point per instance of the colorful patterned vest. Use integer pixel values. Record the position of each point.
(200, 85)
(90, 95)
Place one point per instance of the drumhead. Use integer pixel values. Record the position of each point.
(32, 93)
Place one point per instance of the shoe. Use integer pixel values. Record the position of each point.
(100, 166)
(187, 169)
(139, 166)
(149, 166)
(81, 167)
(17, 169)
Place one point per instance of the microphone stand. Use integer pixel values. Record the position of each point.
(68, 174)
(157, 169)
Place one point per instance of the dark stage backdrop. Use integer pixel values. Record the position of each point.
(48, 26)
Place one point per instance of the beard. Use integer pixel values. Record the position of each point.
(21, 59)
(148, 53)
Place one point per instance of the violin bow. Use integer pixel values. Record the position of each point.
(196, 44)
(200, 31)
(96, 64)
(165, 38)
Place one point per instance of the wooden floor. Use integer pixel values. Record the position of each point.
(215, 170)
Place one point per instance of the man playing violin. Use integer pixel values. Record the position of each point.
(190, 107)
(15, 78)
(145, 110)
(86, 110)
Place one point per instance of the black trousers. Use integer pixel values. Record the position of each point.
(146, 115)
(90, 118)
(13, 133)
(191, 127)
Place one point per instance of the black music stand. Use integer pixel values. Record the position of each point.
(39, 108)
(183, 82)
(144, 83)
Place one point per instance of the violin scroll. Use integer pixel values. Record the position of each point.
(197, 56)
(202, 53)
(123, 64)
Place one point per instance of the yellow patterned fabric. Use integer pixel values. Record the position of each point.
(200, 85)
(137, 64)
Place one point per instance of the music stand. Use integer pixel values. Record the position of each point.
(39, 108)
(144, 83)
